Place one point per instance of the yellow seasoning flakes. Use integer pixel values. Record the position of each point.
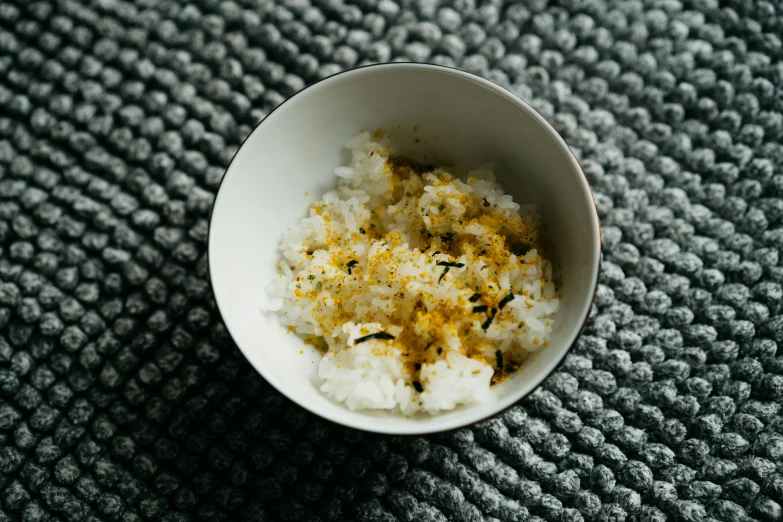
(406, 267)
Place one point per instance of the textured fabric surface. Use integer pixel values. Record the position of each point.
(122, 396)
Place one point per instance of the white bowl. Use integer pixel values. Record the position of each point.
(438, 115)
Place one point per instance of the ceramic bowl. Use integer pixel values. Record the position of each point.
(437, 115)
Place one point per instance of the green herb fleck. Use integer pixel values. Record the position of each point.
(499, 357)
(451, 264)
(417, 384)
(475, 297)
(480, 308)
(446, 271)
(408, 194)
(311, 277)
(361, 231)
(318, 286)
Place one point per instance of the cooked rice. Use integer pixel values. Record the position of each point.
(449, 273)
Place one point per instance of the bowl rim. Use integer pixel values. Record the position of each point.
(455, 425)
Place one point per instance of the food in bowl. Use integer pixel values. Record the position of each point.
(421, 290)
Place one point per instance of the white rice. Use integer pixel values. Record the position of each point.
(393, 227)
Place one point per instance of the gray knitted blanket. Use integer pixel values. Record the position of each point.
(122, 398)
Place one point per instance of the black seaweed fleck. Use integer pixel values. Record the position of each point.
(506, 300)
(380, 335)
(489, 319)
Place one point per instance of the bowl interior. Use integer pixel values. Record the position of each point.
(438, 116)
